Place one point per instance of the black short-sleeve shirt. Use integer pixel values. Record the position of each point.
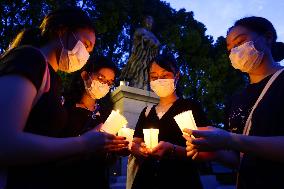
(84, 171)
(47, 117)
(168, 173)
(26, 61)
(267, 120)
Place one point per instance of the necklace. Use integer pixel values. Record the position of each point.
(82, 105)
(94, 112)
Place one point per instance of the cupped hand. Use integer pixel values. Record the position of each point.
(139, 149)
(162, 149)
(100, 142)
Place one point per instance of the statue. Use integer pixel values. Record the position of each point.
(145, 48)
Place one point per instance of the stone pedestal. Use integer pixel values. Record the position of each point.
(130, 102)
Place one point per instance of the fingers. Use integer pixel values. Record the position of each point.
(191, 153)
(198, 133)
(190, 147)
(112, 137)
(120, 138)
(158, 147)
(115, 149)
(195, 155)
(199, 142)
(188, 131)
(143, 152)
(116, 141)
(142, 144)
(187, 137)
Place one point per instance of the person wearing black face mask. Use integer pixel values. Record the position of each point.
(255, 116)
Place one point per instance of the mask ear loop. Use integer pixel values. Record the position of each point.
(74, 36)
(77, 40)
(63, 50)
(89, 79)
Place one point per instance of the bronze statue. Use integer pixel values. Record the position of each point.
(145, 48)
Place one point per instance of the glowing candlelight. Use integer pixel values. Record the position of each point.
(186, 120)
(151, 137)
(128, 133)
(114, 122)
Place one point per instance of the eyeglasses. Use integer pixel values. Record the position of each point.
(101, 78)
(163, 76)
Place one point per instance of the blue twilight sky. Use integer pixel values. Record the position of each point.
(219, 15)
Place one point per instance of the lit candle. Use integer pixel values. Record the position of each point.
(114, 122)
(151, 137)
(128, 133)
(186, 120)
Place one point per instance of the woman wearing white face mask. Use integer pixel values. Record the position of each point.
(89, 92)
(89, 104)
(32, 116)
(165, 166)
(256, 114)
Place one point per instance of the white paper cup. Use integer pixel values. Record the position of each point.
(114, 123)
(186, 120)
(151, 137)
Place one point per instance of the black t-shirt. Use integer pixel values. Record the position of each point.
(267, 120)
(168, 172)
(81, 120)
(240, 105)
(25, 61)
(84, 171)
(47, 117)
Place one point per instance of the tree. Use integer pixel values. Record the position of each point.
(206, 71)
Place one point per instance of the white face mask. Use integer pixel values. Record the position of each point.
(163, 87)
(97, 89)
(75, 59)
(246, 57)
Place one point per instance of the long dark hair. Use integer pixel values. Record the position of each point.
(74, 93)
(68, 19)
(262, 26)
(168, 62)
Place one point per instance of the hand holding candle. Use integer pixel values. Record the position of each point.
(207, 149)
(114, 122)
(185, 120)
(151, 137)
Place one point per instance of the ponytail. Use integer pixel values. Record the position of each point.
(277, 51)
(29, 36)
